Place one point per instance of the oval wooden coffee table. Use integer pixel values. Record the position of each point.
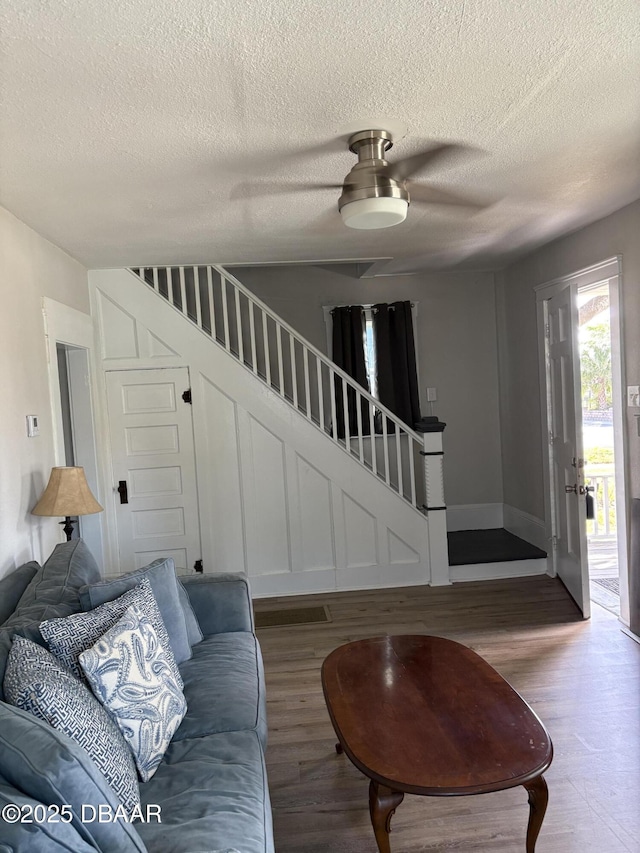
(425, 715)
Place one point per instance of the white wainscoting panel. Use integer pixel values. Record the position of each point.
(399, 551)
(266, 498)
(118, 331)
(158, 348)
(361, 534)
(313, 514)
(219, 486)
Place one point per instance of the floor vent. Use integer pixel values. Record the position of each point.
(292, 616)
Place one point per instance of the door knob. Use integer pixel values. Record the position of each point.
(573, 489)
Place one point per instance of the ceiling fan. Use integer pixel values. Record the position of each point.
(375, 193)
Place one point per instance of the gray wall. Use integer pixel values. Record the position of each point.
(522, 445)
(457, 353)
(30, 268)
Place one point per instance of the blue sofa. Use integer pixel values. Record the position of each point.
(211, 787)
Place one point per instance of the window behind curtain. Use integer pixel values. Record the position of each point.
(369, 341)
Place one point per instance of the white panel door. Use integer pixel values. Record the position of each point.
(565, 413)
(154, 473)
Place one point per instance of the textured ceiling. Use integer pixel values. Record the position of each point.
(134, 133)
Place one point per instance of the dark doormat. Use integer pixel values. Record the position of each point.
(612, 584)
(292, 616)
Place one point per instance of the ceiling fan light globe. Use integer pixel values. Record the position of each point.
(374, 213)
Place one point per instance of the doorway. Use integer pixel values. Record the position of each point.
(580, 331)
(599, 445)
(69, 336)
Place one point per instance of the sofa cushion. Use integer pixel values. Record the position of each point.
(37, 683)
(13, 585)
(129, 672)
(71, 635)
(194, 634)
(53, 592)
(221, 602)
(224, 687)
(49, 767)
(70, 566)
(164, 583)
(213, 794)
(37, 836)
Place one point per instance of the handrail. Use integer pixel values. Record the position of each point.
(233, 325)
(316, 352)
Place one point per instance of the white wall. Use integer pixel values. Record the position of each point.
(522, 445)
(30, 268)
(457, 353)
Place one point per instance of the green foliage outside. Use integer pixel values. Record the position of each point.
(595, 367)
(599, 456)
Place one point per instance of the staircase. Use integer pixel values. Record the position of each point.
(249, 331)
(406, 530)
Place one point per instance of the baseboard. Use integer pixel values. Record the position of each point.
(474, 517)
(498, 571)
(526, 526)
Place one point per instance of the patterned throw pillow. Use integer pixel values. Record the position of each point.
(129, 673)
(37, 683)
(70, 636)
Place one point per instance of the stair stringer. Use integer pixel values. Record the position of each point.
(277, 497)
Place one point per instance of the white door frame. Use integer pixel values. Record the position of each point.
(609, 270)
(65, 325)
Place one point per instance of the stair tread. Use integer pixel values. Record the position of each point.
(495, 545)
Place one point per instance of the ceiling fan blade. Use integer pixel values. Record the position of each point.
(430, 194)
(403, 169)
(260, 188)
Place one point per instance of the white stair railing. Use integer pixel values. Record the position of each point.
(232, 316)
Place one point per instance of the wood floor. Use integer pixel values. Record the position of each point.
(582, 678)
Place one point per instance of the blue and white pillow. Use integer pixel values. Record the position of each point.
(36, 682)
(71, 635)
(129, 673)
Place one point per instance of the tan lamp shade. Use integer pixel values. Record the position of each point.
(67, 494)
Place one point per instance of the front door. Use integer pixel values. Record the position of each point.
(566, 453)
(154, 472)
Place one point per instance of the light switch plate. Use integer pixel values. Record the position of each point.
(33, 427)
(431, 395)
(633, 395)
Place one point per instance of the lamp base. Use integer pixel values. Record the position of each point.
(67, 526)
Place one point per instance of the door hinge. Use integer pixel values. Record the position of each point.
(187, 396)
(198, 567)
(547, 331)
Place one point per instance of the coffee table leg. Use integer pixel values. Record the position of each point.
(382, 804)
(538, 798)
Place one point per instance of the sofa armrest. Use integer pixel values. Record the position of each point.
(221, 602)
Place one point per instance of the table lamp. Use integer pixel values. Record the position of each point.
(67, 494)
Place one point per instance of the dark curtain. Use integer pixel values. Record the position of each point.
(348, 353)
(396, 360)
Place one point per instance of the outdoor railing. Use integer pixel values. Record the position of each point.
(604, 495)
(232, 316)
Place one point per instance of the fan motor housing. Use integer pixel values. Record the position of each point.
(364, 180)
